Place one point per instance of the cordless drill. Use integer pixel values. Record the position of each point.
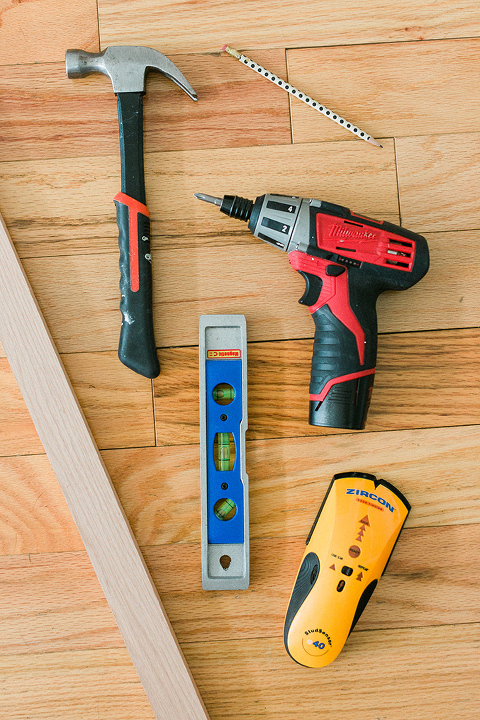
(347, 260)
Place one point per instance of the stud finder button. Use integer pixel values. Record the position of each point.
(347, 570)
(340, 585)
(354, 551)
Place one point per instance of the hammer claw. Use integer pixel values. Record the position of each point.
(126, 66)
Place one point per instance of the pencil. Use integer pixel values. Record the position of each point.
(301, 96)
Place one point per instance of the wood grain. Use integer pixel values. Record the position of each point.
(53, 603)
(34, 515)
(407, 73)
(288, 477)
(398, 89)
(436, 178)
(84, 315)
(41, 30)
(206, 26)
(443, 666)
(96, 379)
(72, 685)
(91, 497)
(64, 206)
(101, 681)
(423, 379)
(46, 115)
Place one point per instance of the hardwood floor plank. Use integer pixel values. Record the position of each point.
(17, 428)
(260, 678)
(79, 294)
(438, 177)
(34, 517)
(389, 89)
(426, 379)
(53, 603)
(206, 27)
(108, 393)
(41, 30)
(65, 206)
(69, 686)
(51, 116)
(159, 488)
(379, 674)
(427, 583)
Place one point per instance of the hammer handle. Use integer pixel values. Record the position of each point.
(137, 348)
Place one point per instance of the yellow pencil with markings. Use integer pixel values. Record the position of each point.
(348, 549)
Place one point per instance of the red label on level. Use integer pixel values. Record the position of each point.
(223, 354)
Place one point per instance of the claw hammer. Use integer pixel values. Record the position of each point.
(127, 68)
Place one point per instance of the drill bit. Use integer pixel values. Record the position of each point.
(301, 96)
(208, 198)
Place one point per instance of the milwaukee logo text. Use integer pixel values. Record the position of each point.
(341, 231)
(372, 496)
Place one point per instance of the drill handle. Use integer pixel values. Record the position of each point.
(343, 307)
(342, 377)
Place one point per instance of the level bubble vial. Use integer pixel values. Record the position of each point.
(225, 509)
(223, 393)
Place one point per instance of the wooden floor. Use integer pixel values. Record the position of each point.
(408, 74)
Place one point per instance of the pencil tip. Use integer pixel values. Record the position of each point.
(231, 51)
(372, 141)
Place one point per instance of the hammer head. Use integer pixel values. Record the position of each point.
(126, 66)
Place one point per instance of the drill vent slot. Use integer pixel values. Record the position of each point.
(400, 249)
(396, 262)
(399, 252)
(400, 242)
(349, 222)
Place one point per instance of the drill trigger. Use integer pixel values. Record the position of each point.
(313, 288)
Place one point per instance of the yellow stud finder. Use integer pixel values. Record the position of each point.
(348, 549)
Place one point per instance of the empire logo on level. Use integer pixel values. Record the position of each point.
(223, 354)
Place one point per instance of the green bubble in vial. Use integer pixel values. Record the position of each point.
(225, 509)
(223, 449)
(223, 393)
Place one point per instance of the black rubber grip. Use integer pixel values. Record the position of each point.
(344, 400)
(136, 348)
(306, 578)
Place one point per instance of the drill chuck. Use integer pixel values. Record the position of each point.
(237, 207)
(232, 205)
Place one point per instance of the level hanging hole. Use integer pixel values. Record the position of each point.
(223, 393)
(224, 451)
(225, 561)
(225, 509)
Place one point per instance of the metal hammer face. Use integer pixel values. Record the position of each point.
(126, 66)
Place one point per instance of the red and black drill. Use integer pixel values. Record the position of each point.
(347, 260)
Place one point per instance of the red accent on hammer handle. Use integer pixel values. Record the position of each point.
(135, 209)
(136, 348)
